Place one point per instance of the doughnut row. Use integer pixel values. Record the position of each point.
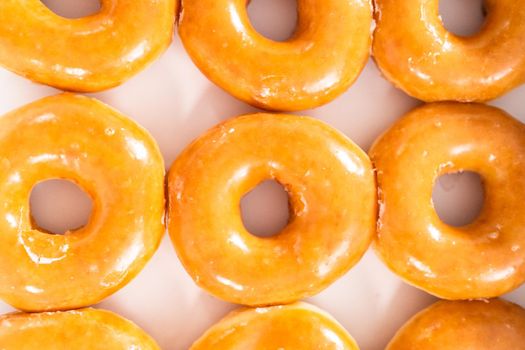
(340, 198)
(322, 59)
(337, 206)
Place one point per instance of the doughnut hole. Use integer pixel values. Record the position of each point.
(59, 206)
(462, 17)
(458, 198)
(265, 209)
(73, 8)
(273, 19)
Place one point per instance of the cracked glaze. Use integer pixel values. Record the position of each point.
(296, 326)
(415, 51)
(86, 54)
(321, 60)
(116, 162)
(483, 259)
(85, 329)
(468, 325)
(332, 193)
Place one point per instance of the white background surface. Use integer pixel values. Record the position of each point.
(176, 103)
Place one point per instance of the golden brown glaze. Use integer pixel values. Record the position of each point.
(485, 258)
(416, 53)
(332, 208)
(85, 54)
(467, 325)
(297, 326)
(120, 167)
(320, 61)
(85, 329)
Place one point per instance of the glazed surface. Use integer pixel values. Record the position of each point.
(485, 258)
(296, 326)
(321, 60)
(85, 329)
(467, 325)
(415, 51)
(116, 163)
(332, 198)
(85, 54)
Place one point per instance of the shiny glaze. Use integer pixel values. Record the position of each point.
(485, 258)
(85, 54)
(85, 329)
(467, 325)
(119, 166)
(296, 326)
(320, 61)
(415, 51)
(332, 193)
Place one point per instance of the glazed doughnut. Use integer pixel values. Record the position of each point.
(483, 259)
(320, 61)
(332, 199)
(449, 325)
(416, 53)
(87, 329)
(296, 326)
(119, 166)
(85, 54)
